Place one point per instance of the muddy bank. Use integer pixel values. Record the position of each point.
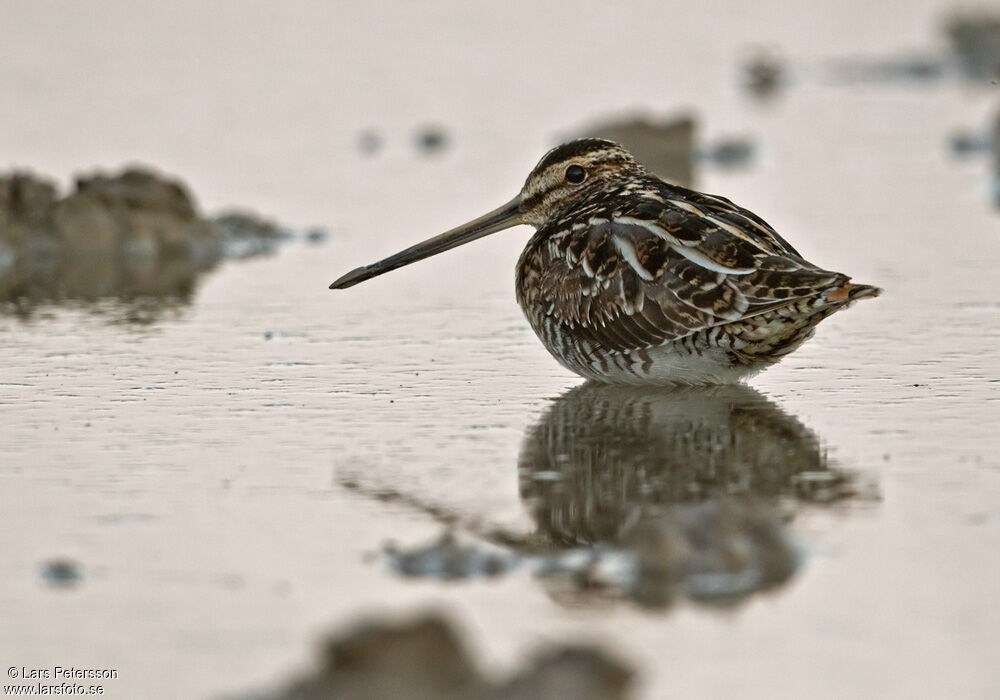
(425, 658)
(131, 235)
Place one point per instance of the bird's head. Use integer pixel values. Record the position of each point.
(571, 173)
(566, 175)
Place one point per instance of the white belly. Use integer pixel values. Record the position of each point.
(665, 366)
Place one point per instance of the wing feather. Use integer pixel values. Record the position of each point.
(668, 263)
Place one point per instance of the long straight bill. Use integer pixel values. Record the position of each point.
(497, 220)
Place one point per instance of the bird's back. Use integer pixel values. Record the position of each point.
(646, 281)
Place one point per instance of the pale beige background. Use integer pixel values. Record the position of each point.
(190, 466)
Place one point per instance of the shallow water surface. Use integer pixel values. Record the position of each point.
(224, 478)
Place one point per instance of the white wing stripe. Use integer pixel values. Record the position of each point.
(699, 258)
(627, 250)
(649, 226)
(692, 254)
(726, 226)
(686, 206)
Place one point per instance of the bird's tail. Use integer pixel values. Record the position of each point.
(850, 291)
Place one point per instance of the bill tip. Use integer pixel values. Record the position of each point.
(350, 279)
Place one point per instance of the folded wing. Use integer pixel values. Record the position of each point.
(669, 263)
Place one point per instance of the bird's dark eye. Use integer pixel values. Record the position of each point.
(575, 174)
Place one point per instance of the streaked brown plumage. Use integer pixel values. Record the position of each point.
(629, 279)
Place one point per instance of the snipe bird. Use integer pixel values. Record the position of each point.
(631, 280)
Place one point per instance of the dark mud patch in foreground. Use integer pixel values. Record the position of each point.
(424, 659)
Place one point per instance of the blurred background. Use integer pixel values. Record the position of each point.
(212, 466)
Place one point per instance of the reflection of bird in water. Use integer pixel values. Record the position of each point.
(631, 280)
(602, 455)
(646, 494)
(686, 482)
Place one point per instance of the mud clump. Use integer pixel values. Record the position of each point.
(369, 142)
(972, 144)
(136, 213)
(425, 659)
(449, 559)
(132, 234)
(61, 573)
(975, 42)
(246, 235)
(995, 143)
(893, 68)
(431, 140)
(716, 552)
(26, 207)
(764, 73)
(731, 152)
(665, 146)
